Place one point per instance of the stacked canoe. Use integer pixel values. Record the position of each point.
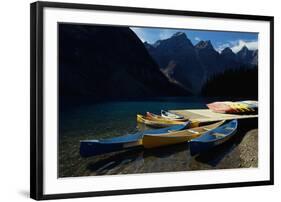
(240, 107)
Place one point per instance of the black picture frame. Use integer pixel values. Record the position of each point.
(36, 99)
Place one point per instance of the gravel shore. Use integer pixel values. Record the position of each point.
(245, 154)
(240, 152)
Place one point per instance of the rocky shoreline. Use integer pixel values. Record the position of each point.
(245, 154)
(239, 152)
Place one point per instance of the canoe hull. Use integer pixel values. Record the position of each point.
(176, 137)
(206, 142)
(93, 148)
(201, 147)
(150, 141)
(97, 147)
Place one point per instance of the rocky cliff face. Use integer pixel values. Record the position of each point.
(209, 58)
(178, 59)
(105, 62)
(247, 56)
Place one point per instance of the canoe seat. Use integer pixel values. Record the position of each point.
(228, 128)
(218, 134)
(193, 131)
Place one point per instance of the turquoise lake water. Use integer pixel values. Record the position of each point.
(101, 120)
(106, 119)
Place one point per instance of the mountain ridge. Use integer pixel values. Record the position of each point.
(172, 55)
(191, 65)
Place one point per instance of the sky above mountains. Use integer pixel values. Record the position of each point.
(219, 39)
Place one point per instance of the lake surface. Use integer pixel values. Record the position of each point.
(101, 120)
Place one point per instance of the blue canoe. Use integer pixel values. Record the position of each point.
(97, 147)
(213, 138)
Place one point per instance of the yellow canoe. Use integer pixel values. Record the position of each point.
(176, 137)
(157, 123)
(240, 107)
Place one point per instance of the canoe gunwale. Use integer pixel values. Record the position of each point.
(178, 137)
(193, 130)
(231, 133)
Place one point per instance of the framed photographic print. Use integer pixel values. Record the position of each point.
(134, 100)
